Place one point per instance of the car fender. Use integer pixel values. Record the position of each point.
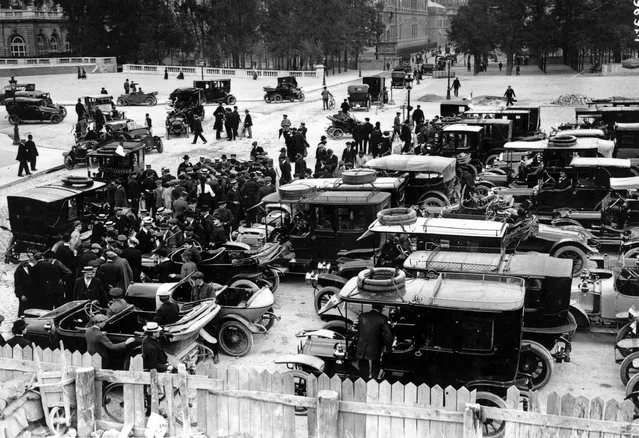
(438, 194)
(253, 328)
(247, 276)
(570, 242)
(304, 361)
(579, 313)
(326, 280)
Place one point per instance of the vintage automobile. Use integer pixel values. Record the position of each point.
(607, 117)
(377, 90)
(446, 331)
(231, 264)
(456, 139)
(341, 124)
(77, 156)
(431, 179)
(216, 91)
(29, 109)
(8, 92)
(522, 125)
(176, 124)
(398, 77)
(129, 131)
(38, 216)
(138, 98)
(243, 310)
(37, 94)
(487, 236)
(105, 104)
(287, 89)
(626, 140)
(497, 132)
(359, 97)
(115, 161)
(453, 108)
(188, 100)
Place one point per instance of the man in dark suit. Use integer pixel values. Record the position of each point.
(374, 336)
(65, 254)
(153, 355)
(169, 311)
(134, 256)
(47, 282)
(145, 236)
(197, 129)
(98, 342)
(23, 159)
(24, 283)
(90, 288)
(32, 150)
(18, 330)
(88, 254)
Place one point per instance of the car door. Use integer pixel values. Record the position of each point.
(324, 245)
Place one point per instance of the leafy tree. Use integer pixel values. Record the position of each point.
(473, 29)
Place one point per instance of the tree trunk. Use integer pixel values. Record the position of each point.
(339, 62)
(345, 60)
(510, 57)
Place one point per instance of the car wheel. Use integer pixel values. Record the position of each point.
(323, 296)
(432, 201)
(482, 189)
(337, 133)
(150, 101)
(299, 384)
(535, 361)
(57, 419)
(231, 100)
(628, 369)
(301, 97)
(492, 428)
(63, 110)
(277, 98)
(267, 98)
(625, 332)
(340, 326)
(121, 102)
(69, 162)
(113, 402)
(245, 284)
(632, 390)
(490, 160)
(235, 339)
(55, 119)
(272, 276)
(578, 257)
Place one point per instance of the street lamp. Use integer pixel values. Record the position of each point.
(16, 132)
(202, 66)
(448, 89)
(408, 84)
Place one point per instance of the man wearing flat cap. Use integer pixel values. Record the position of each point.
(115, 272)
(201, 290)
(224, 216)
(18, 330)
(98, 342)
(117, 302)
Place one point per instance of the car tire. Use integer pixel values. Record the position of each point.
(397, 216)
(483, 189)
(491, 428)
(337, 133)
(300, 379)
(55, 119)
(301, 97)
(121, 102)
(268, 99)
(323, 295)
(245, 284)
(359, 176)
(63, 110)
(578, 256)
(339, 326)
(536, 361)
(69, 162)
(490, 160)
(633, 387)
(77, 181)
(277, 98)
(231, 100)
(295, 192)
(234, 338)
(392, 279)
(150, 101)
(433, 201)
(625, 332)
(628, 370)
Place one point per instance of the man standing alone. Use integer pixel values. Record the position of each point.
(456, 86)
(197, 129)
(32, 152)
(510, 96)
(375, 336)
(325, 98)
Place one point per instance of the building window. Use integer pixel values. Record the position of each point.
(40, 44)
(17, 46)
(67, 45)
(53, 43)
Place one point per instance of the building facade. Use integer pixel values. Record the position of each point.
(31, 32)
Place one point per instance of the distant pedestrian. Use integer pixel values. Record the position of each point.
(248, 123)
(345, 107)
(80, 110)
(32, 151)
(235, 122)
(104, 91)
(180, 75)
(79, 73)
(84, 73)
(285, 125)
(23, 159)
(517, 71)
(510, 96)
(148, 123)
(456, 86)
(197, 129)
(500, 65)
(166, 73)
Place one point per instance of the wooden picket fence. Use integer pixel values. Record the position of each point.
(229, 400)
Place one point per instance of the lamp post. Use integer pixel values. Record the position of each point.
(448, 89)
(408, 84)
(202, 66)
(16, 132)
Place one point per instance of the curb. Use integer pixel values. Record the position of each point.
(33, 175)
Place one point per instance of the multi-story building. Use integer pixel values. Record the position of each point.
(28, 32)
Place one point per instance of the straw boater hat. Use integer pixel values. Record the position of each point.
(151, 327)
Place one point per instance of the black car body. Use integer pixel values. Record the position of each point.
(29, 109)
(216, 91)
(115, 161)
(376, 88)
(452, 108)
(287, 89)
(105, 104)
(146, 99)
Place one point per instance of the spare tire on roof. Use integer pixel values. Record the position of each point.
(564, 140)
(77, 181)
(359, 176)
(295, 192)
(397, 216)
(379, 280)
